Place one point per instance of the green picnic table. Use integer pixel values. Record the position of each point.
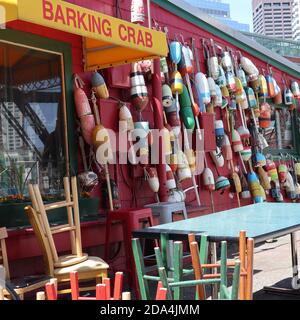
(261, 221)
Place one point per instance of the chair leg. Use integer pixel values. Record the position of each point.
(242, 256)
(164, 279)
(140, 269)
(235, 281)
(223, 267)
(178, 266)
(249, 281)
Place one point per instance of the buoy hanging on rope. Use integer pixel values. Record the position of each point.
(137, 11)
(99, 86)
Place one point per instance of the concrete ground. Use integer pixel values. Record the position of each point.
(273, 267)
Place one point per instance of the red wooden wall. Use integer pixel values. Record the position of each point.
(135, 191)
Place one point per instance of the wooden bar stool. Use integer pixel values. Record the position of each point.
(131, 220)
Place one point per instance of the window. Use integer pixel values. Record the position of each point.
(281, 134)
(32, 120)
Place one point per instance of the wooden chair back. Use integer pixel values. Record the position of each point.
(41, 237)
(73, 225)
(3, 252)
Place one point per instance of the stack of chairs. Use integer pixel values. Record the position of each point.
(242, 275)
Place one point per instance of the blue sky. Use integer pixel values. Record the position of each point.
(241, 10)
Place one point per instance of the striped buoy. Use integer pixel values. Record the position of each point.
(142, 131)
(176, 83)
(271, 85)
(278, 97)
(226, 61)
(239, 86)
(185, 65)
(167, 97)
(208, 180)
(125, 117)
(251, 98)
(236, 142)
(139, 93)
(255, 187)
(219, 131)
(245, 194)
(265, 116)
(272, 171)
(222, 184)
(246, 154)
(290, 187)
(263, 87)
(99, 86)
(244, 132)
(171, 183)
(244, 103)
(236, 182)
(230, 81)
(282, 172)
(260, 159)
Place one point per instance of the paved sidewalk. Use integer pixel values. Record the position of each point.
(273, 267)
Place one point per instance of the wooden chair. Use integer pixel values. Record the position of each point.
(175, 285)
(73, 226)
(22, 285)
(89, 269)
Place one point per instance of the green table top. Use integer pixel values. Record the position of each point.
(260, 221)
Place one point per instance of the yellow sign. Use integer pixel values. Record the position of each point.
(91, 24)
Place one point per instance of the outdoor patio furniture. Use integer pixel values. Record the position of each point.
(131, 220)
(22, 285)
(73, 225)
(90, 269)
(175, 285)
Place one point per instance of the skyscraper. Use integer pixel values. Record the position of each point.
(273, 18)
(220, 11)
(296, 20)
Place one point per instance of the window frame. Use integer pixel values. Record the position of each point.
(295, 133)
(64, 50)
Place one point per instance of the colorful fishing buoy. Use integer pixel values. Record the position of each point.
(255, 188)
(245, 194)
(260, 159)
(167, 97)
(175, 52)
(288, 97)
(251, 98)
(137, 11)
(272, 170)
(290, 187)
(282, 172)
(236, 142)
(208, 180)
(171, 183)
(202, 88)
(185, 65)
(249, 66)
(246, 154)
(297, 171)
(87, 124)
(212, 86)
(222, 183)
(230, 82)
(100, 137)
(99, 86)
(265, 116)
(218, 158)
(139, 92)
(176, 83)
(226, 149)
(221, 80)
(263, 87)
(219, 131)
(295, 89)
(242, 76)
(226, 61)
(239, 86)
(270, 85)
(244, 133)
(264, 178)
(152, 178)
(219, 99)
(186, 111)
(125, 117)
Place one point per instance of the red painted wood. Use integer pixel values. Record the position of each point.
(134, 192)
